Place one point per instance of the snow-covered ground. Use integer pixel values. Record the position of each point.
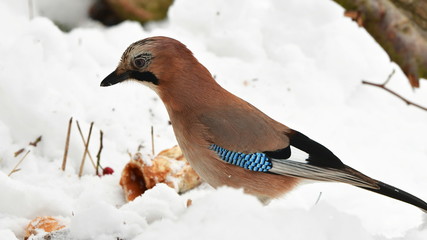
(300, 61)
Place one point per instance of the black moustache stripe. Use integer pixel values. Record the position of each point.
(144, 77)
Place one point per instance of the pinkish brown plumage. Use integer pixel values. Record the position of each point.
(258, 153)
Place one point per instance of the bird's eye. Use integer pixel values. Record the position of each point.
(139, 62)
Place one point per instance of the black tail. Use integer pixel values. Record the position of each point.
(398, 194)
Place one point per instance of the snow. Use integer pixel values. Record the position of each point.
(301, 62)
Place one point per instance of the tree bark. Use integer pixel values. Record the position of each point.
(400, 27)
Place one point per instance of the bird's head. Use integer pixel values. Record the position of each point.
(154, 61)
(169, 68)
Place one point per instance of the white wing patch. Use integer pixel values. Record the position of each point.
(298, 155)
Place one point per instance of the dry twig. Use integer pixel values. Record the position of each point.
(19, 152)
(86, 149)
(84, 143)
(67, 144)
(98, 156)
(383, 86)
(34, 144)
(15, 169)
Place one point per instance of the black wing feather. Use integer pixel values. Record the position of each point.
(319, 155)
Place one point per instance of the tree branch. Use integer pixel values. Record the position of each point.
(383, 86)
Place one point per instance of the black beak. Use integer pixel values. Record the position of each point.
(113, 78)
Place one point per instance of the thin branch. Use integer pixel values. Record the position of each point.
(395, 94)
(86, 150)
(84, 143)
(98, 156)
(389, 77)
(15, 169)
(67, 144)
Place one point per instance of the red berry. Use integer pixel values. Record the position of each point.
(107, 170)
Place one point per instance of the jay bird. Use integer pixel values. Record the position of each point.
(227, 140)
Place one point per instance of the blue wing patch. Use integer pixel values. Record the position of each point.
(258, 162)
